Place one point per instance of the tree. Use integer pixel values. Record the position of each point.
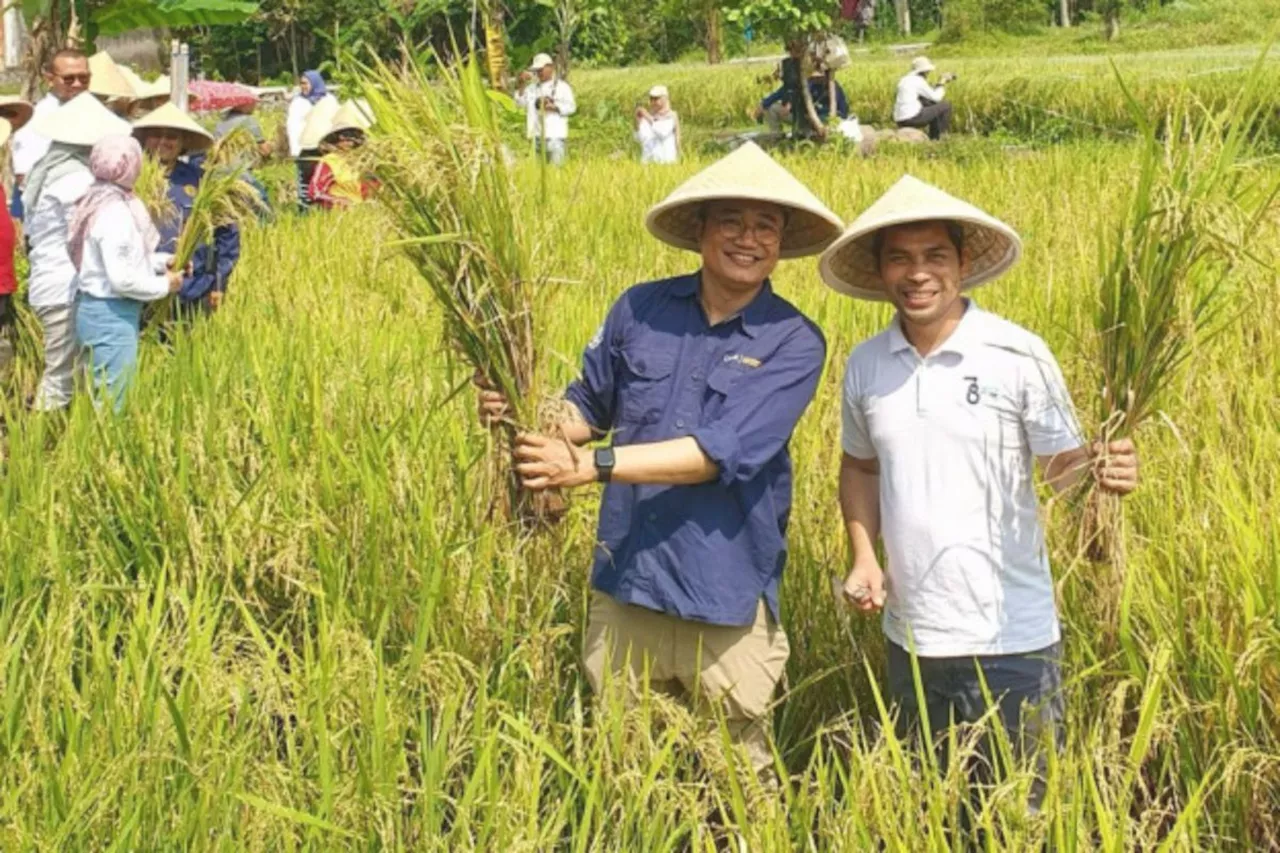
(791, 20)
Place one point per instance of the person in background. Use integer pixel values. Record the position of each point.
(67, 75)
(337, 180)
(311, 90)
(112, 244)
(946, 415)
(921, 105)
(314, 129)
(167, 134)
(241, 117)
(658, 129)
(864, 18)
(548, 102)
(779, 109)
(15, 112)
(821, 85)
(698, 381)
(52, 189)
(111, 85)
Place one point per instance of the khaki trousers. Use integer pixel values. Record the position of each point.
(733, 669)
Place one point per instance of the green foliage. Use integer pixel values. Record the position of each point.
(963, 19)
(123, 15)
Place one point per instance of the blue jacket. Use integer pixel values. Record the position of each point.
(212, 264)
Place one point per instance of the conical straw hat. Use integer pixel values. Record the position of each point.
(170, 117)
(135, 82)
(850, 265)
(750, 174)
(17, 111)
(348, 117)
(158, 88)
(107, 81)
(83, 120)
(319, 120)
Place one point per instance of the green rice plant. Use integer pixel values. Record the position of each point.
(223, 197)
(436, 149)
(1198, 200)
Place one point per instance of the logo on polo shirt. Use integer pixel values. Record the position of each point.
(744, 360)
(973, 395)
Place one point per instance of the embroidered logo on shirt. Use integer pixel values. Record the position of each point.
(744, 360)
(189, 190)
(597, 338)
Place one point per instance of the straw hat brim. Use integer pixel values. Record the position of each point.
(319, 123)
(170, 117)
(747, 174)
(850, 265)
(349, 116)
(82, 121)
(21, 111)
(106, 81)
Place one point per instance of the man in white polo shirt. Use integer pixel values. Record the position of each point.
(919, 105)
(945, 414)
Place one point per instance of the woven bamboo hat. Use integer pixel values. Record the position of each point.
(107, 81)
(751, 175)
(17, 112)
(348, 117)
(170, 117)
(157, 88)
(319, 120)
(83, 120)
(850, 265)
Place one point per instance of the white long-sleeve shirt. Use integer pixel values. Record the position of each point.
(52, 273)
(295, 120)
(658, 138)
(115, 264)
(29, 146)
(911, 89)
(561, 95)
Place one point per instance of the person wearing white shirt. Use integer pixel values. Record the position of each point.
(112, 244)
(658, 129)
(548, 102)
(921, 105)
(67, 75)
(946, 414)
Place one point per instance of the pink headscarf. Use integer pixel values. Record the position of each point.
(116, 162)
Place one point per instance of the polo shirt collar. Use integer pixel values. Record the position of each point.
(750, 318)
(968, 333)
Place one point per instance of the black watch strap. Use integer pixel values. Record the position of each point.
(605, 460)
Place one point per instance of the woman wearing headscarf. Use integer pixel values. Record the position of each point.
(658, 129)
(167, 134)
(49, 195)
(337, 180)
(311, 90)
(112, 243)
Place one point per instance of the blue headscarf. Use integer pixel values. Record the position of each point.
(318, 89)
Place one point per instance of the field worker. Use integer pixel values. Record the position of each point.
(945, 415)
(700, 380)
(241, 117)
(66, 75)
(920, 105)
(317, 126)
(311, 91)
(15, 112)
(110, 84)
(167, 134)
(52, 189)
(779, 109)
(658, 129)
(548, 102)
(338, 180)
(112, 243)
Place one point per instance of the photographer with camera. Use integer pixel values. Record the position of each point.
(548, 102)
(921, 105)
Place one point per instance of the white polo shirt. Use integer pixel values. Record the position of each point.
(956, 435)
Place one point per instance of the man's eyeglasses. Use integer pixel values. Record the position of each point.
(69, 79)
(733, 227)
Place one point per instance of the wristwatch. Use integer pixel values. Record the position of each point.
(605, 460)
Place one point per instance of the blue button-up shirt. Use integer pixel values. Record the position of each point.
(212, 264)
(657, 370)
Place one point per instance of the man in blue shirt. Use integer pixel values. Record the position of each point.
(700, 380)
(167, 134)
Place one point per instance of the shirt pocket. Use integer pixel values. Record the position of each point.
(645, 389)
(721, 383)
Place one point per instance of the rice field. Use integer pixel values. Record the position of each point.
(268, 607)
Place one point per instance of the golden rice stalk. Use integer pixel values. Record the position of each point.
(152, 188)
(223, 198)
(237, 148)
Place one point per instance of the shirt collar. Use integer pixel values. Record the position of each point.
(751, 318)
(968, 333)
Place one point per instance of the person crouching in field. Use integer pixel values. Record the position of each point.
(167, 134)
(337, 180)
(944, 412)
(658, 129)
(919, 105)
(701, 380)
(112, 244)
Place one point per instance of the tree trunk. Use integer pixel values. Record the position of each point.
(904, 16)
(1113, 24)
(1064, 13)
(715, 35)
(810, 111)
